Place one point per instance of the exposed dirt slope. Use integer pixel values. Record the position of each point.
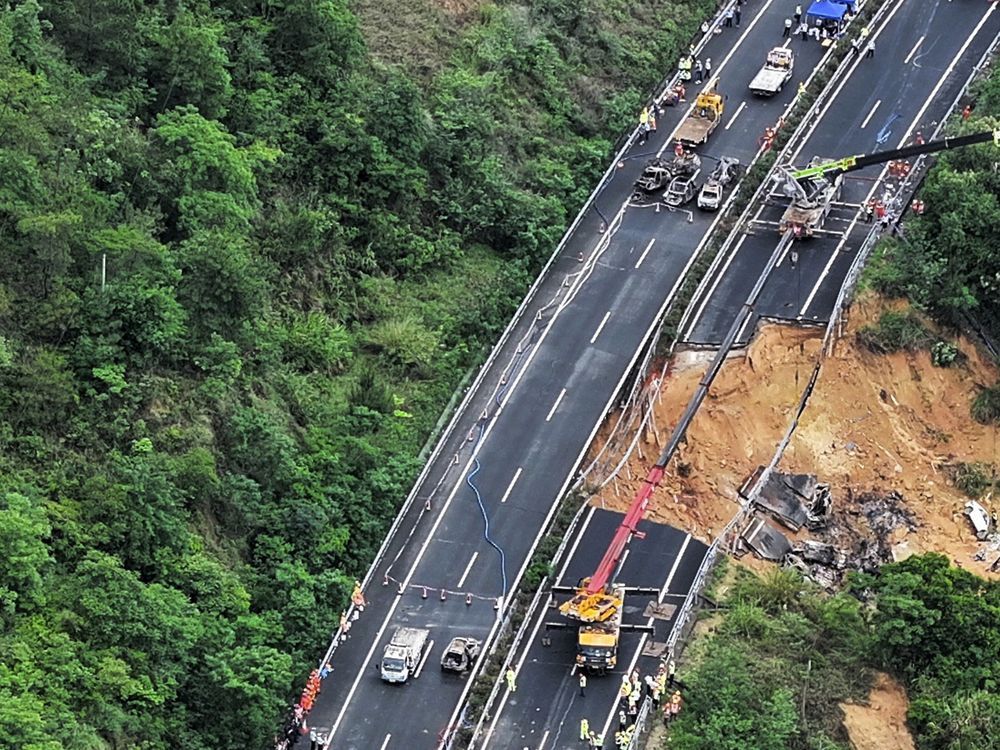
(874, 423)
(881, 725)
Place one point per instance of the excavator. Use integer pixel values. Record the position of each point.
(814, 188)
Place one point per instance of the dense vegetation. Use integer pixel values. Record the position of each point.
(946, 262)
(784, 656)
(246, 263)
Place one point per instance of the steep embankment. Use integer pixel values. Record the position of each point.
(874, 423)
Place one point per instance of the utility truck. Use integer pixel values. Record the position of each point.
(775, 74)
(704, 118)
(402, 654)
(814, 188)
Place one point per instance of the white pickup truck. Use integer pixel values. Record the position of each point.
(775, 73)
(402, 654)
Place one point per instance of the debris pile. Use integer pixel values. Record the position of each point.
(858, 535)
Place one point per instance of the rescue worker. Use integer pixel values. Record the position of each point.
(357, 597)
(870, 49)
(619, 739)
(685, 66)
(708, 68)
(699, 74)
(622, 719)
(798, 13)
(802, 87)
(788, 28)
(583, 683)
(511, 680)
(584, 730)
(626, 686)
(967, 112)
(596, 740)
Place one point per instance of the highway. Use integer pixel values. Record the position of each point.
(529, 419)
(544, 712)
(546, 717)
(923, 56)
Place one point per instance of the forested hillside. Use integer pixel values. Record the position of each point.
(246, 261)
(784, 656)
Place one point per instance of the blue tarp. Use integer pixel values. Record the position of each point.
(849, 3)
(827, 10)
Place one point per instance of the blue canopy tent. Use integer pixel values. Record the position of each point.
(849, 3)
(827, 10)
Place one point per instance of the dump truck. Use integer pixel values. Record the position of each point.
(704, 117)
(775, 74)
(460, 654)
(403, 653)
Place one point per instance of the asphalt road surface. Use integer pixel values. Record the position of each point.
(543, 397)
(544, 712)
(923, 56)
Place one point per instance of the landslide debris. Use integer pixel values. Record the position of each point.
(889, 433)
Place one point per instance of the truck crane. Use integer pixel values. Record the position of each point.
(814, 188)
(596, 604)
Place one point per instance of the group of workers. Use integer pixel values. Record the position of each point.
(295, 723)
(632, 690)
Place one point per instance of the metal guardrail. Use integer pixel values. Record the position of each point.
(830, 335)
(487, 365)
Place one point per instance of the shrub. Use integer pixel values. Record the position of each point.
(973, 478)
(895, 331)
(944, 354)
(986, 406)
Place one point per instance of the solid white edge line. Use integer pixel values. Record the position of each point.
(643, 256)
(645, 636)
(555, 406)
(510, 487)
(465, 573)
(600, 328)
(385, 742)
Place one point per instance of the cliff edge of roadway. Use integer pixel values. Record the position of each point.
(875, 425)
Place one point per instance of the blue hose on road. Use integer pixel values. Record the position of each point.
(486, 520)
